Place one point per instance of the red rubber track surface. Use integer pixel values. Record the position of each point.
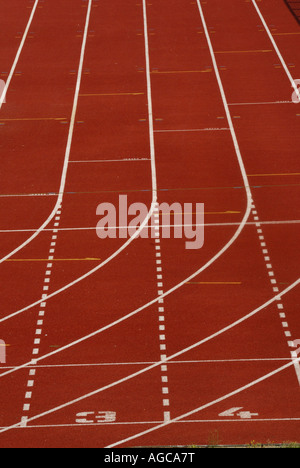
(59, 383)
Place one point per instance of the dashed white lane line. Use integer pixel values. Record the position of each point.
(161, 318)
(39, 327)
(275, 288)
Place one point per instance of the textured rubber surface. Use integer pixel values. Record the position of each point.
(142, 342)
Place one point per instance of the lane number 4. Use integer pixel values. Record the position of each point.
(296, 343)
(234, 411)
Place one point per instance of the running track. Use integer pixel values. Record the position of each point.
(143, 343)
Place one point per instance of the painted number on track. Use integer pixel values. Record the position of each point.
(96, 417)
(234, 411)
(296, 343)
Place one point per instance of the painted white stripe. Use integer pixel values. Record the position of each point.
(249, 223)
(150, 109)
(110, 160)
(193, 130)
(147, 423)
(138, 363)
(292, 81)
(259, 103)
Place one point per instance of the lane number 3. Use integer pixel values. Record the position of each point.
(95, 417)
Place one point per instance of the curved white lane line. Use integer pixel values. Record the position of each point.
(69, 142)
(242, 169)
(283, 63)
(157, 364)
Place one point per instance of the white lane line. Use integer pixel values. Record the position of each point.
(13, 68)
(26, 195)
(207, 405)
(148, 423)
(259, 103)
(155, 365)
(292, 81)
(249, 223)
(143, 363)
(161, 320)
(150, 109)
(179, 189)
(39, 328)
(69, 142)
(193, 130)
(110, 160)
